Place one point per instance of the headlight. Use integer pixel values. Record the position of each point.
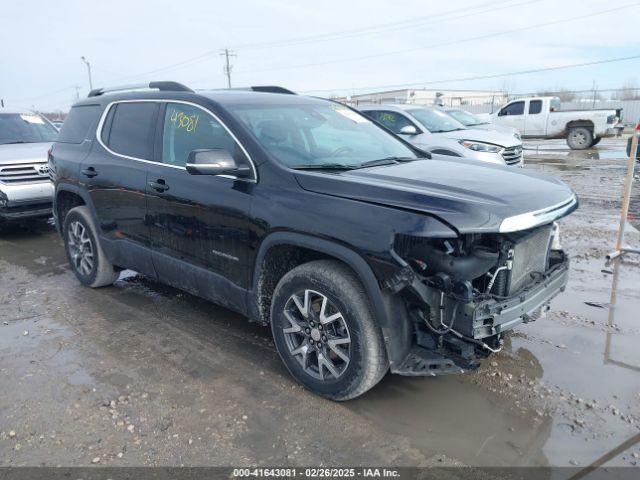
(480, 147)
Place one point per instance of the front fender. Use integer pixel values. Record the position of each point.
(388, 309)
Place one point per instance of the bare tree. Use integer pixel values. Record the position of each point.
(628, 91)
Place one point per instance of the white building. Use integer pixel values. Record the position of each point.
(449, 98)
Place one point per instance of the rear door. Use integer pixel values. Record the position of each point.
(115, 175)
(536, 119)
(512, 115)
(198, 223)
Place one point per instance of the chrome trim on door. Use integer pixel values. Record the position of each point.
(154, 100)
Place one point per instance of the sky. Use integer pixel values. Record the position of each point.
(324, 48)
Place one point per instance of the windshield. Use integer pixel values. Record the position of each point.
(436, 121)
(466, 118)
(323, 135)
(25, 128)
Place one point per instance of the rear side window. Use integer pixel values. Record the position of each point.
(79, 122)
(132, 129)
(535, 107)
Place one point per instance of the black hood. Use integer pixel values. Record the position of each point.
(469, 196)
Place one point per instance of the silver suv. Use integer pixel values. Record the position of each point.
(25, 188)
(434, 131)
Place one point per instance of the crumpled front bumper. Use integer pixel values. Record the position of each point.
(480, 319)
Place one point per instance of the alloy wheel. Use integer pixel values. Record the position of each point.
(317, 335)
(80, 248)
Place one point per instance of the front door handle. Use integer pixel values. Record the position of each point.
(89, 172)
(159, 185)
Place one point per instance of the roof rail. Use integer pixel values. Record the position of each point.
(162, 86)
(272, 89)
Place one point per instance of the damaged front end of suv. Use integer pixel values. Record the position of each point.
(463, 294)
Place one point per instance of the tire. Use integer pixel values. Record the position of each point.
(579, 138)
(84, 253)
(344, 325)
(596, 141)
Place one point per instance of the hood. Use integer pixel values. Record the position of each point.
(23, 153)
(481, 135)
(496, 128)
(468, 196)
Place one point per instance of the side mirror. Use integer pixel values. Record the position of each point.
(214, 161)
(408, 130)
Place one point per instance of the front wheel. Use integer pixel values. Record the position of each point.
(579, 138)
(325, 332)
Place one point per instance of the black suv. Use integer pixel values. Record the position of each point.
(361, 252)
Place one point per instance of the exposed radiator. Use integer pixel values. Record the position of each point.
(530, 254)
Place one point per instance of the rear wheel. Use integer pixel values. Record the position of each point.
(85, 255)
(579, 138)
(325, 331)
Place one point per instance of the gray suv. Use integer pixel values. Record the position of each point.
(435, 131)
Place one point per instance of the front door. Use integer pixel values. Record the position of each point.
(198, 223)
(512, 115)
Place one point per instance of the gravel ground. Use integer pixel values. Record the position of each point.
(142, 374)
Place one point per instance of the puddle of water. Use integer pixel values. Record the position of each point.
(450, 416)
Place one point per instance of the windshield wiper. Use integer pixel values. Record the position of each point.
(384, 161)
(324, 166)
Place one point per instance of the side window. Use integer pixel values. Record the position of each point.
(132, 129)
(515, 108)
(535, 107)
(392, 120)
(188, 128)
(78, 123)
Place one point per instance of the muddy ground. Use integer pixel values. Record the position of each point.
(142, 374)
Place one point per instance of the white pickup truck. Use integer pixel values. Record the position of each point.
(542, 117)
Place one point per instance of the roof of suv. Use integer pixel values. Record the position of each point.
(222, 97)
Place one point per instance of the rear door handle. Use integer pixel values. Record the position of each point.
(89, 172)
(159, 185)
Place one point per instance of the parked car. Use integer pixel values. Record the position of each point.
(434, 131)
(470, 120)
(543, 117)
(25, 189)
(361, 252)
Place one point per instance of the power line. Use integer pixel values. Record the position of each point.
(335, 35)
(385, 27)
(443, 44)
(481, 77)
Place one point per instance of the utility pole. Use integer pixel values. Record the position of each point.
(227, 66)
(77, 92)
(88, 71)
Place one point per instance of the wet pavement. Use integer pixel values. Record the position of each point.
(143, 374)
